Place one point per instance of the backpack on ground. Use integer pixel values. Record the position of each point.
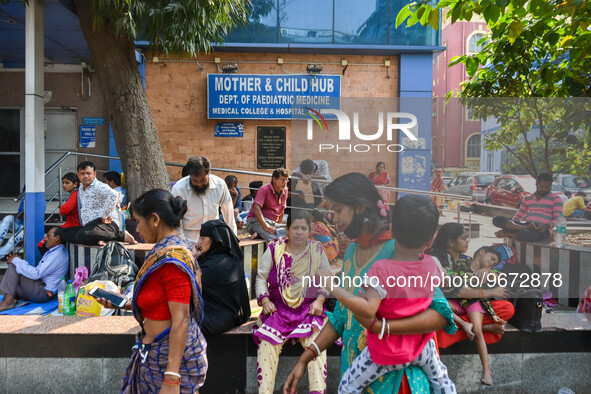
(114, 263)
(528, 304)
(527, 299)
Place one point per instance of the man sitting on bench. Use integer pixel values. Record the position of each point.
(40, 283)
(536, 217)
(99, 212)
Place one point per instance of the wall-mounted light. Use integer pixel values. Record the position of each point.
(229, 68)
(314, 69)
(200, 67)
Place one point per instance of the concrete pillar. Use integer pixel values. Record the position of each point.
(34, 129)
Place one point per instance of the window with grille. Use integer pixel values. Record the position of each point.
(473, 151)
(473, 45)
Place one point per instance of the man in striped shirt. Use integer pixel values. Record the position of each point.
(536, 217)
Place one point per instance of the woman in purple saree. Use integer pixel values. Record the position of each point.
(293, 309)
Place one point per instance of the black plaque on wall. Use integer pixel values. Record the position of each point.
(270, 148)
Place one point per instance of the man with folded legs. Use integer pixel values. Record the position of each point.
(98, 205)
(268, 207)
(40, 283)
(536, 217)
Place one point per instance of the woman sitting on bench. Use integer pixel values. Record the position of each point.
(225, 296)
(292, 308)
(450, 247)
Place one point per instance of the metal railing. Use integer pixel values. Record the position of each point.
(58, 196)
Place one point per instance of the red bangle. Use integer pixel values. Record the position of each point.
(374, 322)
(171, 383)
(313, 351)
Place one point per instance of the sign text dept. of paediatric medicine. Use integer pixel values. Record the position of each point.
(237, 96)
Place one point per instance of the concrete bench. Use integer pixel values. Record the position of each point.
(570, 261)
(85, 255)
(58, 354)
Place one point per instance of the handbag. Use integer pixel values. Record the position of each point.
(528, 304)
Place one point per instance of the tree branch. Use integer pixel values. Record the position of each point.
(531, 170)
(544, 135)
(529, 156)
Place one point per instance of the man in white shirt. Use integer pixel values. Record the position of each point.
(205, 194)
(99, 213)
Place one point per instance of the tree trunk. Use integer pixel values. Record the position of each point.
(135, 134)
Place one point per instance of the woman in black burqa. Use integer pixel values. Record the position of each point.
(225, 296)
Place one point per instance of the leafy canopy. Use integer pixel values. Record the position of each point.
(536, 48)
(179, 26)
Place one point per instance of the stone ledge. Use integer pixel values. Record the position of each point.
(113, 336)
(550, 245)
(68, 325)
(126, 325)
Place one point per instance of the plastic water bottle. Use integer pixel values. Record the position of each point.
(247, 279)
(70, 300)
(60, 295)
(560, 235)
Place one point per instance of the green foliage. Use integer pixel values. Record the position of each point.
(536, 48)
(536, 131)
(177, 27)
(553, 38)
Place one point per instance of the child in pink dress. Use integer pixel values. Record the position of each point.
(395, 289)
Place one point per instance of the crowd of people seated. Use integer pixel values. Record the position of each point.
(192, 285)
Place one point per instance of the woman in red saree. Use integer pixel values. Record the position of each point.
(381, 178)
(438, 186)
(450, 247)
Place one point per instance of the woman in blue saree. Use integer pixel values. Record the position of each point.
(170, 351)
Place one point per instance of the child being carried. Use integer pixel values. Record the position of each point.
(396, 289)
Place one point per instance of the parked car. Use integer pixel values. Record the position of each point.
(447, 180)
(509, 190)
(472, 184)
(574, 183)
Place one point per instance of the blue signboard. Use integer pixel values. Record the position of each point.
(93, 121)
(248, 96)
(229, 129)
(87, 137)
(414, 163)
